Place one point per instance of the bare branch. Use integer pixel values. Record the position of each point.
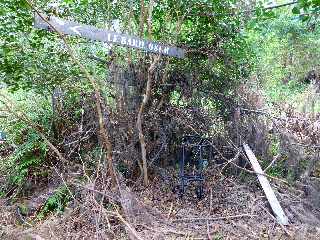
(103, 131)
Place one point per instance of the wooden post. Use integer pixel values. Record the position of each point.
(273, 201)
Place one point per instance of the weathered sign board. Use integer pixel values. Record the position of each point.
(273, 201)
(94, 33)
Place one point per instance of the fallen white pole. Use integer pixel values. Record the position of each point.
(273, 201)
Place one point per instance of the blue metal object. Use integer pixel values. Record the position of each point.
(3, 136)
(194, 156)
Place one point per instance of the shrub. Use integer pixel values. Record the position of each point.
(30, 151)
(55, 203)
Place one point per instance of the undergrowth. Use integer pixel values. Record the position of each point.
(30, 151)
(55, 203)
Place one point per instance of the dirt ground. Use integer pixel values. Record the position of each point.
(233, 208)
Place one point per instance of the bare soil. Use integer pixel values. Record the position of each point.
(231, 209)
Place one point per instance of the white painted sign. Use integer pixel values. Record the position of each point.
(93, 33)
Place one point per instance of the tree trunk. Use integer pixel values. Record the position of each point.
(139, 120)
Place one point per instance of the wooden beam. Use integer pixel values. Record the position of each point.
(103, 35)
(272, 199)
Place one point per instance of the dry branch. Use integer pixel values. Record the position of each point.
(12, 109)
(106, 143)
(282, 226)
(139, 120)
(251, 11)
(142, 17)
(213, 218)
(231, 161)
(275, 158)
(131, 229)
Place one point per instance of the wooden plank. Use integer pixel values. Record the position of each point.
(103, 35)
(273, 201)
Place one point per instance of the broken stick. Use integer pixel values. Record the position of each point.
(272, 199)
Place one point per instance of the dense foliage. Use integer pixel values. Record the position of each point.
(286, 50)
(36, 59)
(228, 44)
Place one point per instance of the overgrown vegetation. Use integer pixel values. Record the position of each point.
(55, 203)
(104, 119)
(28, 160)
(286, 53)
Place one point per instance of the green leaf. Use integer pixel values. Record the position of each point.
(304, 18)
(296, 10)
